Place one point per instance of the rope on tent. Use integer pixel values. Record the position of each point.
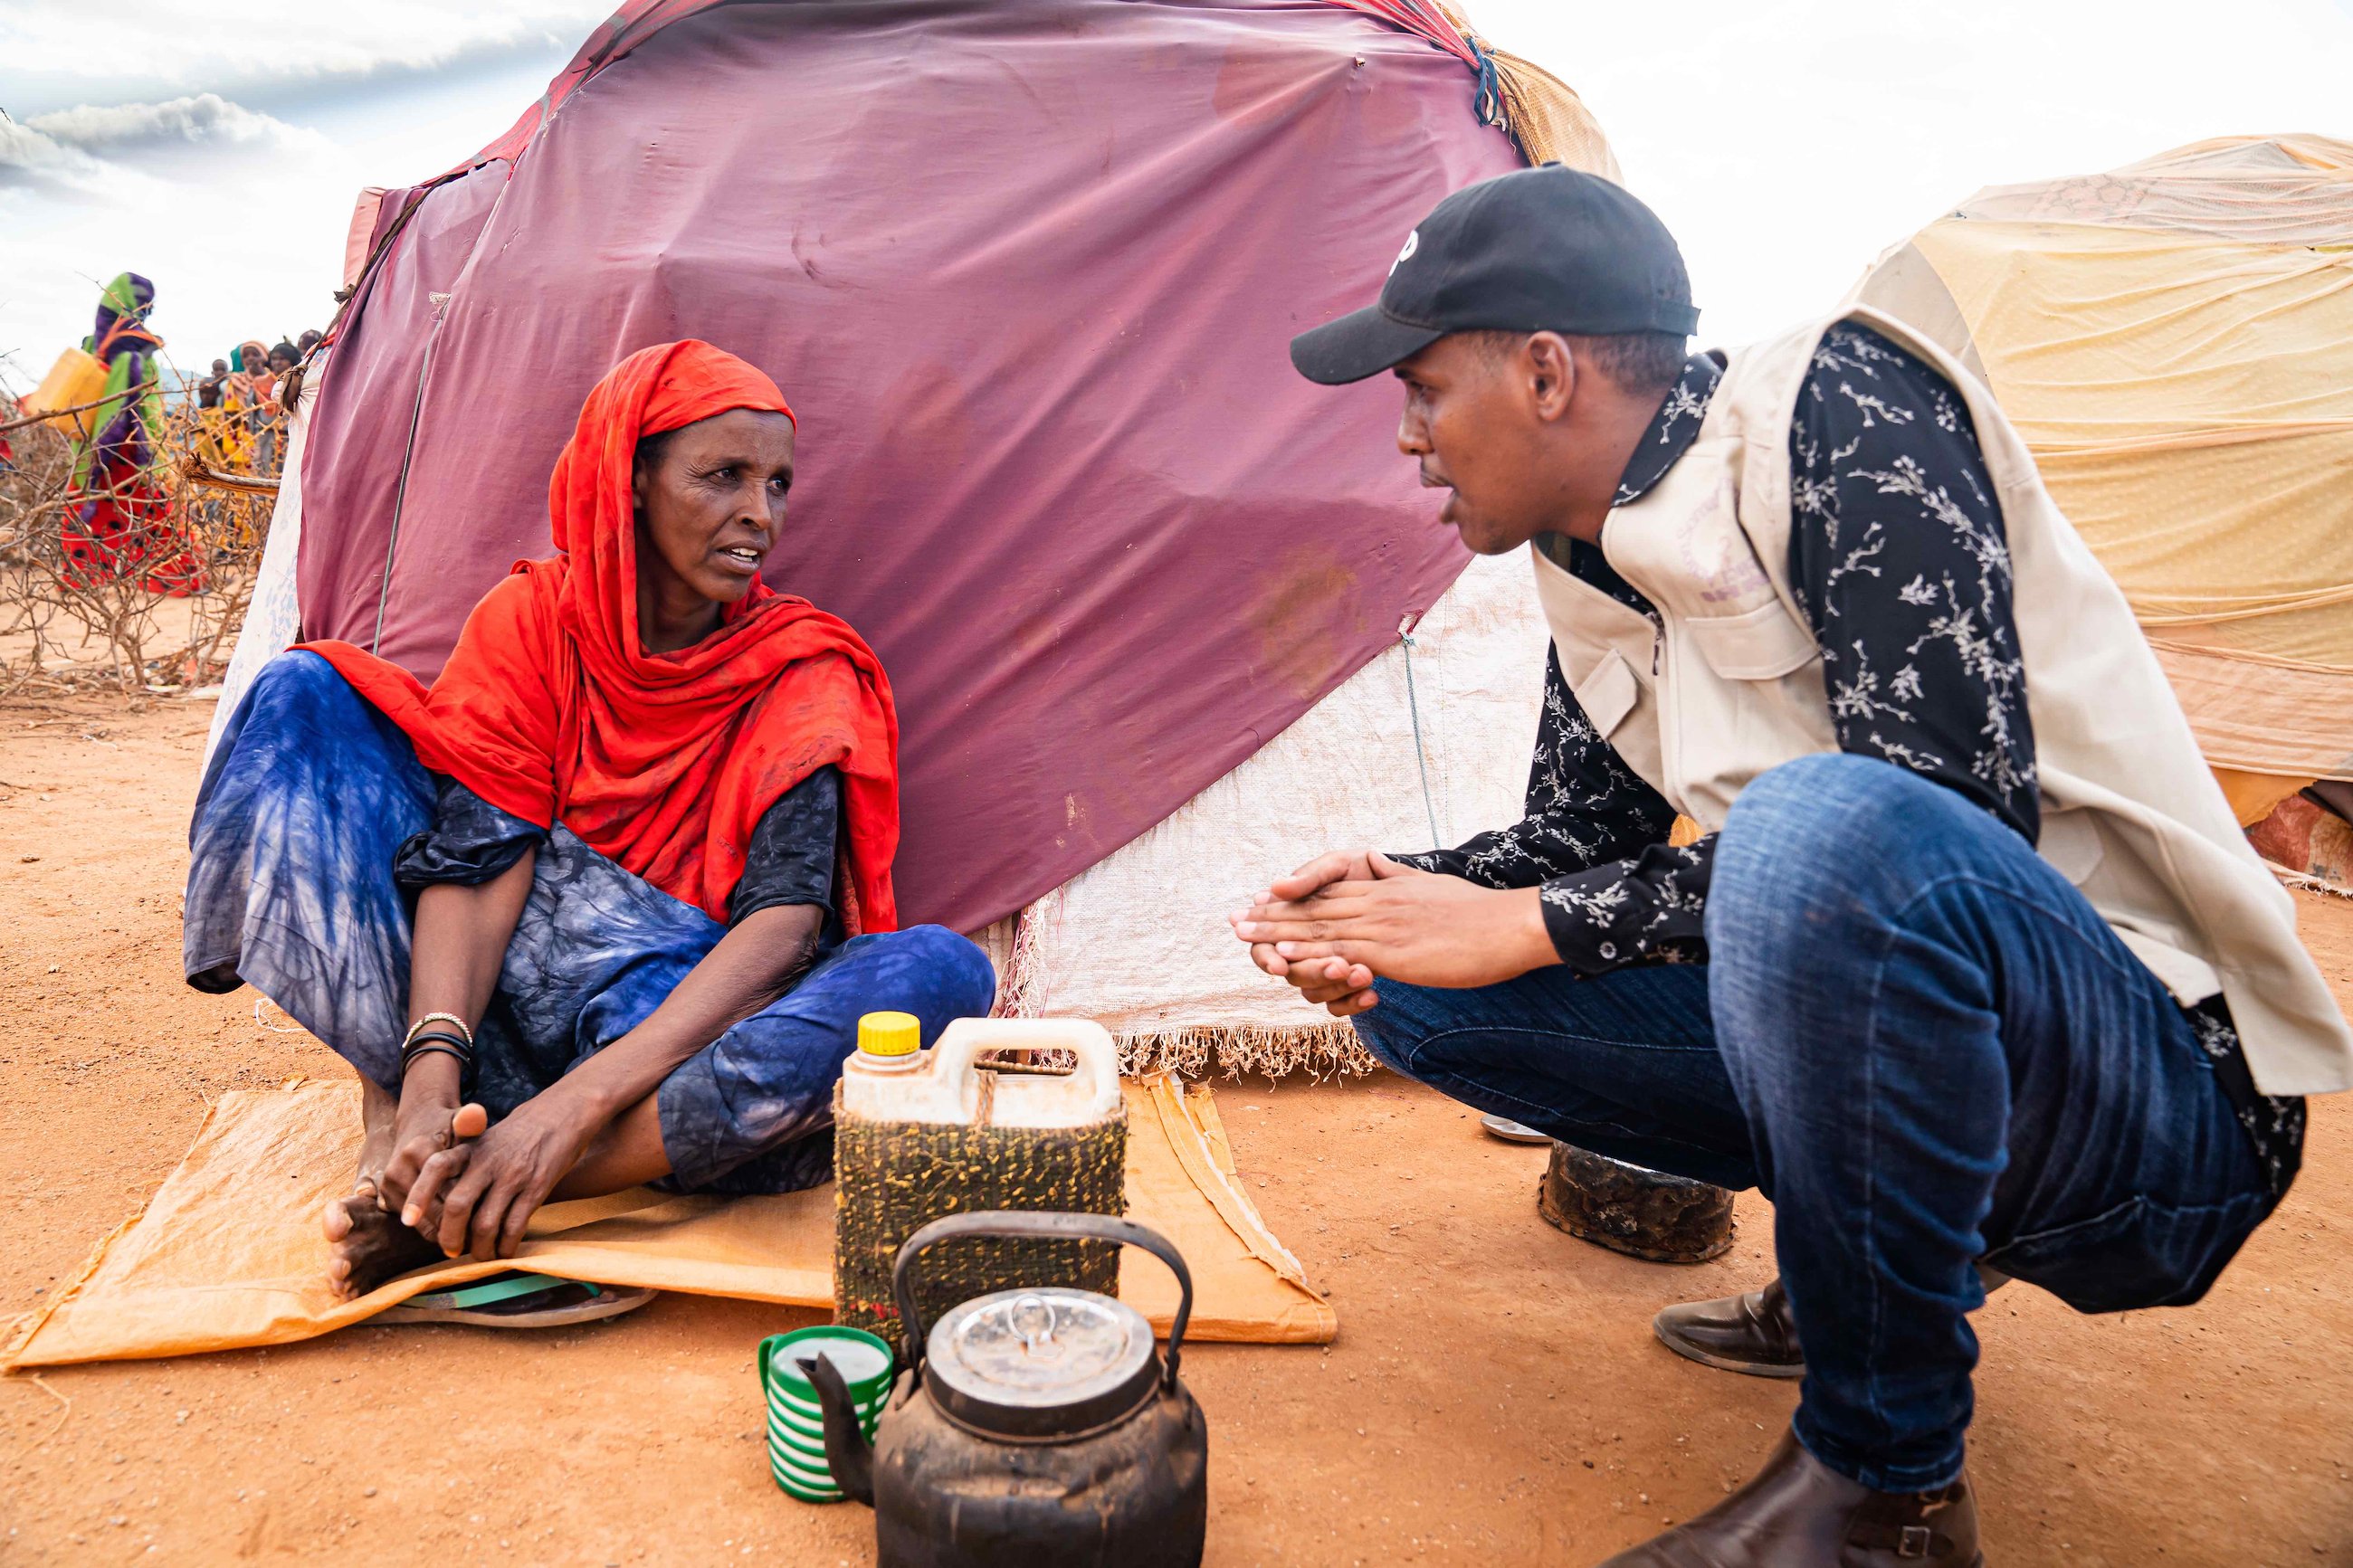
(1421, 756)
(1490, 100)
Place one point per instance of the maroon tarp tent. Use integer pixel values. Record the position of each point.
(1027, 271)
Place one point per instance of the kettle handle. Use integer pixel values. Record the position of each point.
(1017, 1222)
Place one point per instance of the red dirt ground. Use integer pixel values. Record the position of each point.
(1496, 1396)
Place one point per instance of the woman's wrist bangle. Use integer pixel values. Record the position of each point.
(409, 1054)
(442, 1041)
(465, 1034)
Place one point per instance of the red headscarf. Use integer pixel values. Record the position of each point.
(550, 708)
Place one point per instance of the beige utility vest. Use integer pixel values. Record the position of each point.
(1730, 684)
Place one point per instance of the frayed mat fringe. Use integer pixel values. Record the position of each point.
(1319, 1050)
(1275, 1050)
(2307, 881)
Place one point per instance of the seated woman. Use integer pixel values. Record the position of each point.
(644, 821)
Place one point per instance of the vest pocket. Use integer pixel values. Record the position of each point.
(2070, 843)
(1762, 644)
(1608, 691)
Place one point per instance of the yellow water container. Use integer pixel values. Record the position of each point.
(77, 378)
(999, 1113)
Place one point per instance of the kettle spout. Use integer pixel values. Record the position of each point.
(847, 1452)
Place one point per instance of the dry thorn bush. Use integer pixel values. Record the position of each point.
(70, 626)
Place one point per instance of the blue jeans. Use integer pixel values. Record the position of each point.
(1926, 1048)
(291, 891)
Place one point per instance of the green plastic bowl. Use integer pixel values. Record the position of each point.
(812, 1427)
(800, 1492)
(858, 1351)
(813, 1418)
(812, 1486)
(796, 1460)
(807, 1445)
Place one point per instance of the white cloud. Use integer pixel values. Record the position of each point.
(27, 155)
(219, 151)
(172, 41)
(130, 128)
(118, 151)
(237, 215)
(1787, 142)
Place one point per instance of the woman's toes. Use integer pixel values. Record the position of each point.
(366, 1248)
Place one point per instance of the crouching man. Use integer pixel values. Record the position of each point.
(1972, 965)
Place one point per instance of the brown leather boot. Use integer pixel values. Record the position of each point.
(1800, 1513)
(1752, 1333)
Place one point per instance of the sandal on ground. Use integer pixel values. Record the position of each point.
(1512, 1131)
(519, 1302)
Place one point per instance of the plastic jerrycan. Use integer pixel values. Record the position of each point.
(77, 378)
(919, 1135)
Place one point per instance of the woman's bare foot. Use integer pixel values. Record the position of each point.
(379, 1112)
(367, 1242)
(369, 1246)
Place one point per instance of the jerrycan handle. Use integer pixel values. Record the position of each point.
(1094, 1052)
(1015, 1222)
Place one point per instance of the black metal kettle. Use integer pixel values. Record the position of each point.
(1032, 1428)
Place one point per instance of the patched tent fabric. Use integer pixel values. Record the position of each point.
(1302, 546)
(1028, 271)
(1425, 746)
(2175, 341)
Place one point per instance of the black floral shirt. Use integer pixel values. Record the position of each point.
(1898, 558)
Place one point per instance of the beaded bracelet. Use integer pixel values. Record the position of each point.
(452, 1019)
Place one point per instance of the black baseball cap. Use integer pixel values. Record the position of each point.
(1546, 250)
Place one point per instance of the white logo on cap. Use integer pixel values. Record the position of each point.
(1412, 244)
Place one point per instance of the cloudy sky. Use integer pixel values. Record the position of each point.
(217, 149)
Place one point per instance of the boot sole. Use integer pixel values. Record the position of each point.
(1725, 1364)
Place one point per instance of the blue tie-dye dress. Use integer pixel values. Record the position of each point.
(308, 799)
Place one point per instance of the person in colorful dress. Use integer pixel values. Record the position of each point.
(119, 523)
(604, 904)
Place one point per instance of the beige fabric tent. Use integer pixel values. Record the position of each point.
(2175, 339)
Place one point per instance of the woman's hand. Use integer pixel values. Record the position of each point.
(460, 942)
(429, 1120)
(476, 1197)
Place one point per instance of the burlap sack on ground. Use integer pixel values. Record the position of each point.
(229, 1253)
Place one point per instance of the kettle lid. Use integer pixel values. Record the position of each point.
(1045, 1363)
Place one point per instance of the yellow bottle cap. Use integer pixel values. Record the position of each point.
(889, 1035)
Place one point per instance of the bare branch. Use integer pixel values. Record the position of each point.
(48, 415)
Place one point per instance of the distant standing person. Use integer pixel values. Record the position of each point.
(121, 523)
(251, 378)
(245, 395)
(269, 419)
(223, 443)
(1973, 973)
